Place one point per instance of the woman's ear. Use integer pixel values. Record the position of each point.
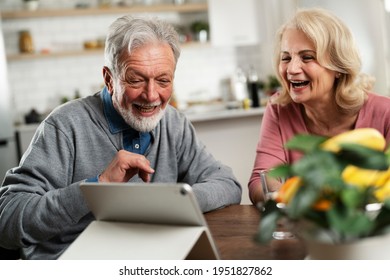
(108, 81)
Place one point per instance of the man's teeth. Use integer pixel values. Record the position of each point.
(145, 108)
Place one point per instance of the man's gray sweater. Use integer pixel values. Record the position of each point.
(42, 208)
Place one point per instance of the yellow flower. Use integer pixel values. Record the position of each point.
(365, 177)
(288, 190)
(383, 192)
(368, 137)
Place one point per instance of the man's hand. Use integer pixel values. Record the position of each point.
(124, 166)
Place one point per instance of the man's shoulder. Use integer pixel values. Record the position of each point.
(174, 123)
(174, 115)
(77, 110)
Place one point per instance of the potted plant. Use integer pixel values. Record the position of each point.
(272, 85)
(336, 197)
(200, 30)
(31, 5)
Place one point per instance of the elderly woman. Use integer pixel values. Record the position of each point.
(323, 91)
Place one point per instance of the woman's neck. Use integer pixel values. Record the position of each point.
(328, 120)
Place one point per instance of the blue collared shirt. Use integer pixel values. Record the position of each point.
(133, 141)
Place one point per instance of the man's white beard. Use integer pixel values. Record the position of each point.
(141, 124)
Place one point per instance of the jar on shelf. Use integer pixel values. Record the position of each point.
(31, 5)
(26, 44)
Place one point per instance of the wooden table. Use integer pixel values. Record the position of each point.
(233, 229)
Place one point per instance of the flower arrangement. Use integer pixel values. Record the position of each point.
(339, 191)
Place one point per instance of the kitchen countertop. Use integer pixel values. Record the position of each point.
(26, 127)
(225, 114)
(192, 116)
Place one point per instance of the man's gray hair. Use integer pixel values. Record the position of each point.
(128, 33)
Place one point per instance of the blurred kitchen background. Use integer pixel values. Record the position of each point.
(51, 51)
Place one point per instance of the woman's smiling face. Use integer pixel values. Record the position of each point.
(305, 78)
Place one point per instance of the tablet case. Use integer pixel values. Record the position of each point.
(143, 221)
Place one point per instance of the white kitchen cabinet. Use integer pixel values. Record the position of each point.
(235, 23)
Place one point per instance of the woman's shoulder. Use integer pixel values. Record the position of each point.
(376, 96)
(376, 110)
(376, 101)
(291, 108)
(376, 113)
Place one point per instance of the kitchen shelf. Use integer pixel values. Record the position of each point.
(183, 8)
(82, 52)
(30, 56)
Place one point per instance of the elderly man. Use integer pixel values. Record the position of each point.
(128, 132)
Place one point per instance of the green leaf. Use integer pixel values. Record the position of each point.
(268, 222)
(363, 157)
(352, 197)
(387, 154)
(281, 171)
(383, 218)
(305, 142)
(318, 169)
(351, 224)
(302, 202)
(318, 218)
(267, 227)
(359, 225)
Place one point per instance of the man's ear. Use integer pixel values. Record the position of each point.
(108, 81)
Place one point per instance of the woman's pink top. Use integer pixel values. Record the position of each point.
(280, 123)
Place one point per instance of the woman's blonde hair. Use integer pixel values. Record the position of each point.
(336, 50)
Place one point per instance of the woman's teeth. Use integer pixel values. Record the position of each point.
(299, 84)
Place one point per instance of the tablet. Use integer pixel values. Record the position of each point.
(136, 221)
(156, 203)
